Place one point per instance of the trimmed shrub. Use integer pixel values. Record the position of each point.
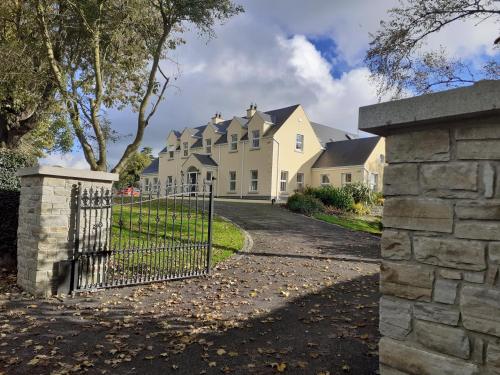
(10, 162)
(304, 204)
(360, 192)
(332, 196)
(360, 209)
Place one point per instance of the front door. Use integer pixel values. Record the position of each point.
(192, 180)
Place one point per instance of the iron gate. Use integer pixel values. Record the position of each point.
(138, 236)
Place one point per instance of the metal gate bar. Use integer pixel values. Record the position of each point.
(138, 236)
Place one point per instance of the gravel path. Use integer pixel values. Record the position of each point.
(303, 301)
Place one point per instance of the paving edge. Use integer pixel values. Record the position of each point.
(248, 241)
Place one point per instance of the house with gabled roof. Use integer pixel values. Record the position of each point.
(266, 155)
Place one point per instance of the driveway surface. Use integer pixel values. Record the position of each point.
(303, 301)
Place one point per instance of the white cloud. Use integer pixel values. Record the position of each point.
(66, 160)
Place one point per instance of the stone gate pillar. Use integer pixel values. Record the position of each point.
(45, 236)
(440, 305)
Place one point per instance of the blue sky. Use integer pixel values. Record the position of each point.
(277, 54)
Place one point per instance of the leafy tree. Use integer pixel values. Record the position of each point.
(30, 118)
(113, 60)
(131, 174)
(396, 58)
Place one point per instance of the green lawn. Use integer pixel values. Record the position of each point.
(358, 223)
(180, 226)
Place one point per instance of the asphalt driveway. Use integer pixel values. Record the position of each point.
(303, 301)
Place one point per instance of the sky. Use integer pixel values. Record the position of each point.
(276, 54)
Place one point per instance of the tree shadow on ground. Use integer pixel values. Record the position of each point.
(194, 327)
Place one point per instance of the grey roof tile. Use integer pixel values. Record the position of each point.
(348, 152)
(153, 167)
(205, 160)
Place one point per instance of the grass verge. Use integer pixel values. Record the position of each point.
(182, 222)
(358, 223)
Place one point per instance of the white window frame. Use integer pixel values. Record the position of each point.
(300, 182)
(170, 180)
(208, 145)
(210, 175)
(234, 142)
(343, 177)
(373, 181)
(254, 180)
(155, 184)
(232, 181)
(146, 184)
(255, 138)
(299, 142)
(283, 181)
(322, 180)
(185, 148)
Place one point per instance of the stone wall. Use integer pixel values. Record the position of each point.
(440, 309)
(46, 231)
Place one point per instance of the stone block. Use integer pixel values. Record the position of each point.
(450, 274)
(478, 230)
(445, 291)
(480, 307)
(427, 214)
(404, 357)
(408, 281)
(443, 339)
(436, 313)
(489, 173)
(488, 130)
(494, 252)
(449, 176)
(493, 358)
(478, 351)
(478, 210)
(433, 145)
(395, 317)
(479, 150)
(474, 277)
(395, 245)
(467, 255)
(401, 179)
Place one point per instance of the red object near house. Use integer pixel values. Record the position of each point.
(129, 192)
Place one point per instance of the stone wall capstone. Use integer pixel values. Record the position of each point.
(440, 281)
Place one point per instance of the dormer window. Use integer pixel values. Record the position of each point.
(234, 142)
(255, 139)
(185, 148)
(171, 150)
(208, 145)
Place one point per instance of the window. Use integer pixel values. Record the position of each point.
(255, 139)
(325, 180)
(146, 184)
(283, 181)
(346, 178)
(155, 184)
(209, 175)
(185, 147)
(232, 181)
(254, 180)
(169, 180)
(234, 142)
(299, 143)
(171, 154)
(382, 158)
(300, 181)
(208, 146)
(374, 181)
(171, 149)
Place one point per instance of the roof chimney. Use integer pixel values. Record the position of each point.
(217, 118)
(251, 111)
